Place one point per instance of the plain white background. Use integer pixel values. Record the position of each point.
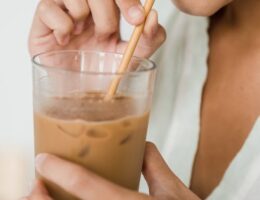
(16, 123)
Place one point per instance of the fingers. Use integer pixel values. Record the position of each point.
(38, 192)
(161, 180)
(132, 11)
(153, 31)
(152, 38)
(50, 17)
(79, 11)
(156, 172)
(106, 17)
(39, 189)
(78, 181)
(151, 25)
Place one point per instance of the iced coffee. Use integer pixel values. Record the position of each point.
(109, 141)
(74, 120)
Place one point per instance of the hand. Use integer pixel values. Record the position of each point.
(38, 192)
(163, 184)
(91, 24)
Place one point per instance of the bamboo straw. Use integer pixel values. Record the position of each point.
(129, 51)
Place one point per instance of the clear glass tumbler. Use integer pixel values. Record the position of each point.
(73, 120)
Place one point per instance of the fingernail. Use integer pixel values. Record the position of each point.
(79, 28)
(136, 12)
(39, 160)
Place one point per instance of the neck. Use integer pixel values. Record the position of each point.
(244, 14)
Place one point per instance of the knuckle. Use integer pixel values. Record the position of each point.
(66, 27)
(78, 9)
(81, 13)
(106, 29)
(45, 5)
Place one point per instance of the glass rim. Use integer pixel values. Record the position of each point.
(150, 68)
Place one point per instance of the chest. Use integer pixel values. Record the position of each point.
(230, 106)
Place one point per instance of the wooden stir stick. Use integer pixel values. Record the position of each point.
(129, 51)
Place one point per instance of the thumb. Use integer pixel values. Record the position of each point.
(38, 188)
(158, 175)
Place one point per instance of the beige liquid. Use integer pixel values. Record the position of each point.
(111, 148)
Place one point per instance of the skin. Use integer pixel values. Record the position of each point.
(230, 101)
(163, 184)
(92, 24)
(232, 43)
(201, 7)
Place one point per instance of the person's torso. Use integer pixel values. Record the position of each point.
(180, 102)
(230, 103)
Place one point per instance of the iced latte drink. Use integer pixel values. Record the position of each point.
(75, 122)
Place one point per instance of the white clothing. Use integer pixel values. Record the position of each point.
(175, 118)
